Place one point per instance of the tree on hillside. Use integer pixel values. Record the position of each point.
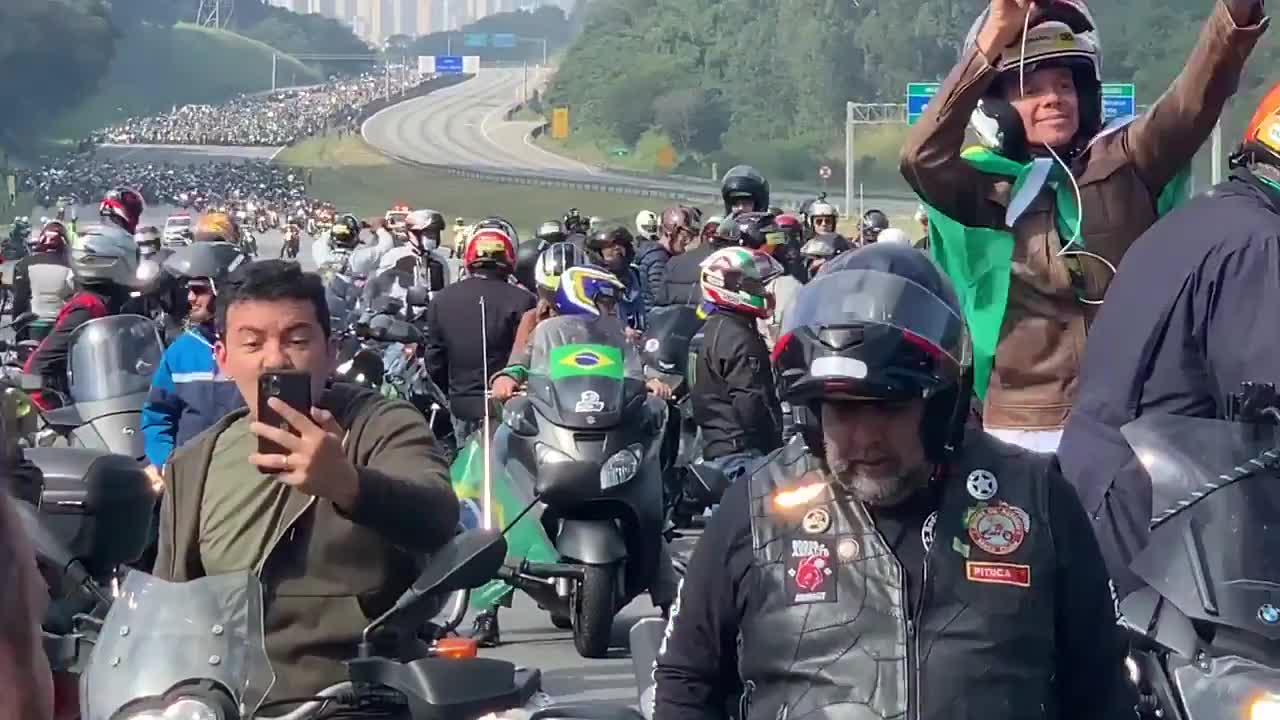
(44, 78)
(694, 118)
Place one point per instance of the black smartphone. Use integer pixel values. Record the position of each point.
(291, 386)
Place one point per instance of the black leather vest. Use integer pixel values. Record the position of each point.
(830, 634)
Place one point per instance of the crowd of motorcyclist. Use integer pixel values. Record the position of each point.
(275, 119)
(892, 541)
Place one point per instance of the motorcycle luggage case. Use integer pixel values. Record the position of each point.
(94, 500)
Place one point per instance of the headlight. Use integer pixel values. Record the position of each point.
(548, 455)
(1265, 708)
(184, 709)
(621, 467)
(345, 367)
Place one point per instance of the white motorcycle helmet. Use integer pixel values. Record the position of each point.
(106, 253)
(647, 223)
(1066, 37)
(893, 236)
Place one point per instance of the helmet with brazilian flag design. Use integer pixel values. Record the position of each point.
(586, 290)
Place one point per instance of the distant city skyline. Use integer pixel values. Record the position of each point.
(376, 20)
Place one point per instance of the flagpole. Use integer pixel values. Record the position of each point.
(488, 478)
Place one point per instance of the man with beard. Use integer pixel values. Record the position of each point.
(892, 563)
(188, 394)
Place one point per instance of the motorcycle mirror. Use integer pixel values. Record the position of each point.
(418, 297)
(469, 560)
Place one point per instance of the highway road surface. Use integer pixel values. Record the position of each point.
(463, 126)
(529, 638)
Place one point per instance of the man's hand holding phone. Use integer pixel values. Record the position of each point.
(301, 444)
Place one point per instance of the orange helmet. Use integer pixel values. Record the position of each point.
(490, 247)
(1261, 142)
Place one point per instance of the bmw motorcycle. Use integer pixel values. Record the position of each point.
(1206, 628)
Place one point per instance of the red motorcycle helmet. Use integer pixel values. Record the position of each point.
(490, 248)
(125, 206)
(53, 238)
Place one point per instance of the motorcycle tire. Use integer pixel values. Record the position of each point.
(593, 609)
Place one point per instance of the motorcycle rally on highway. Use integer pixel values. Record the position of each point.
(463, 419)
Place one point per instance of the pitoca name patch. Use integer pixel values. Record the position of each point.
(998, 573)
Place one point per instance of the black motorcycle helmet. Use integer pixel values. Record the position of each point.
(744, 181)
(215, 261)
(497, 223)
(872, 222)
(345, 232)
(575, 222)
(880, 323)
(608, 236)
(527, 254)
(753, 230)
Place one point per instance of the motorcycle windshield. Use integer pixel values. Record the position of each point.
(668, 331)
(160, 634)
(582, 371)
(1214, 550)
(113, 357)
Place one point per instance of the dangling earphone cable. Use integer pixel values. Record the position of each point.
(1075, 232)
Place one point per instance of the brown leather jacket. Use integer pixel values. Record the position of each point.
(1033, 381)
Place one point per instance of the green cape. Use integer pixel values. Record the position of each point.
(979, 260)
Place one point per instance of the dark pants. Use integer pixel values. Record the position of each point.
(464, 429)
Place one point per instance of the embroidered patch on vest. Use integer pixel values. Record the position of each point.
(810, 567)
(816, 521)
(998, 529)
(998, 573)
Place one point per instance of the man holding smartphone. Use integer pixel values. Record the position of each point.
(332, 502)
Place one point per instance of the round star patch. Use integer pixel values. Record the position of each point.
(998, 529)
(982, 485)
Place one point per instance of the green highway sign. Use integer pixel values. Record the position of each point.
(1117, 101)
(918, 95)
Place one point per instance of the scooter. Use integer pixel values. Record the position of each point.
(109, 367)
(1206, 628)
(586, 439)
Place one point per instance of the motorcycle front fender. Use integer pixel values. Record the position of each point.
(592, 542)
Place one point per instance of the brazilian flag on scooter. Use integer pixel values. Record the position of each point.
(525, 541)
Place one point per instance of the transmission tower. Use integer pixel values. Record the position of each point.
(215, 13)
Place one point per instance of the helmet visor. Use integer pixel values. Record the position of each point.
(853, 297)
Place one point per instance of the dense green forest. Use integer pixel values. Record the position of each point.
(766, 81)
(547, 21)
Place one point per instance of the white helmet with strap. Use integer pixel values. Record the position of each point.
(1064, 35)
